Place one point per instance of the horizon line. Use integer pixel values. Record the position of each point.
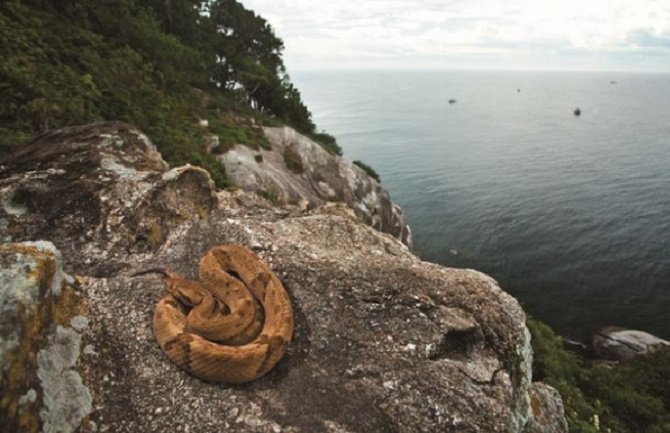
(447, 69)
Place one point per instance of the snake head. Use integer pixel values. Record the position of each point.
(188, 292)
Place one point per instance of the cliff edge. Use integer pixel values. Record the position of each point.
(295, 170)
(383, 341)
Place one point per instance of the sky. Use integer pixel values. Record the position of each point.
(609, 35)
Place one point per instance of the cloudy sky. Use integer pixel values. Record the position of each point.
(627, 35)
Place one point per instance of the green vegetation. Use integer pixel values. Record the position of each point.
(233, 130)
(292, 160)
(369, 170)
(326, 141)
(271, 197)
(161, 65)
(632, 397)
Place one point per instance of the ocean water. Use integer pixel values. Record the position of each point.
(570, 214)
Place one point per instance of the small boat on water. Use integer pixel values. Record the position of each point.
(577, 112)
(452, 101)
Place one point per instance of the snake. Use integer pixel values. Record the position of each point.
(232, 325)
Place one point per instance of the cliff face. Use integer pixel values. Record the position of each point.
(383, 341)
(297, 169)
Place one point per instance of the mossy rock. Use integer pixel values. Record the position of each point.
(37, 297)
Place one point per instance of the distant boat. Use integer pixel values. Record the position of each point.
(578, 112)
(518, 90)
(452, 101)
(612, 82)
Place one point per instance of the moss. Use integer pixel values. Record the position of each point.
(535, 405)
(293, 160)
(21, 375)
(156, 234)
(271, 197)
(36, 321)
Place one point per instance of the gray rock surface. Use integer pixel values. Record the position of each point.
(619, 344)
(546, 404)
(39, 350)
(100, 192)
(383, 342)
(65, 398)
(324, 178)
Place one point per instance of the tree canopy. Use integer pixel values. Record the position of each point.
(158, 64)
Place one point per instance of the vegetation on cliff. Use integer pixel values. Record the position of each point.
(631, 397)
(162, 65)
(369, 170)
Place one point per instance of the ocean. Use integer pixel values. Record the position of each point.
(570, 214)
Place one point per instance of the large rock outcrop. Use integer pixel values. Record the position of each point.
(619, 344)
(383, 341)
(297, 169)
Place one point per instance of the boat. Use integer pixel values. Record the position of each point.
(452, 101)
(577, 112)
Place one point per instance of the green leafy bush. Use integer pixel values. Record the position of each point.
(233, 130)
(271, 197)
(369, 170)
(326, 141)
(631, 397)
(157, 65)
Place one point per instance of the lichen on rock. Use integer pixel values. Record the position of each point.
(66, 400)
(36, 296)
(547, 410)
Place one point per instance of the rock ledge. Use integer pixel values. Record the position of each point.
(383, 341)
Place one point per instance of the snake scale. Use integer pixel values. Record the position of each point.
(231, 326)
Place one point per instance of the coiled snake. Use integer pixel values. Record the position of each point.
(233, 325)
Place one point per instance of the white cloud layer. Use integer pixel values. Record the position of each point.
(498, 34)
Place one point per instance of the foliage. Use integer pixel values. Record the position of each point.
(271, 196)
(158, 64)
(327, 141)
(369, 170)
(233, 130)
(293, 160)
(633, 396)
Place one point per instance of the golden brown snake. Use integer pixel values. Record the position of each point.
(233, 325)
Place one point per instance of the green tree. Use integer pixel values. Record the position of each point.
(158, 64)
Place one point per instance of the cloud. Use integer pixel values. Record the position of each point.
(647, 38)
(384, 33)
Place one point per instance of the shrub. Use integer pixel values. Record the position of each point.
(369, 170)
(327, 141)
(631, 397)
(233, 130)
(293, 160)
(271, 197)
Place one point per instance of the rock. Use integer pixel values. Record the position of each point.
(40, 335)
(100, 193)
(619, 344)
(322, 178)
(547, 409)
(383, 341)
